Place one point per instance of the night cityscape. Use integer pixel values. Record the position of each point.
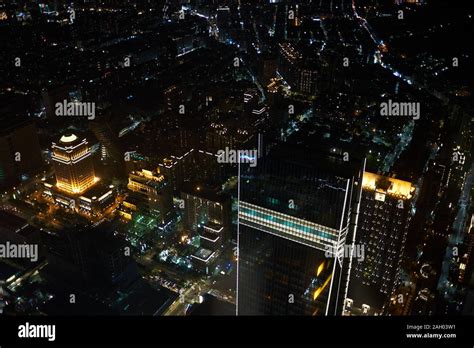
(194, 158)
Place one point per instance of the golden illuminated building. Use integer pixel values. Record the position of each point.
(76, 187)
(386, 185)
(73, 164)
(127, 209)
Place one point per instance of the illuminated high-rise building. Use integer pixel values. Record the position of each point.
(73, 164)
(154, 193)
(289, 59)
(297, 214)
(299, 72)
(383, 223)
(206, 207)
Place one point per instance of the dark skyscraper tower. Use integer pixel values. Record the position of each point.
(19, 150)
(384, 219)
(297, 212)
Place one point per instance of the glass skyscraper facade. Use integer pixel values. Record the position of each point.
(296, 214)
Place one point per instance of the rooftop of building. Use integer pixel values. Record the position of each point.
(11, 122)
(28, 232)
(148, 177)
(212, 235)
(212, 305)
(97, 191)
(203, 191)
(11, 222)
(68, 140)
(134, 198)
(327, 159)
(303, 182)
(142, 299)
(6, 271)
(203, 254)
(212, 226)
(391, 186)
